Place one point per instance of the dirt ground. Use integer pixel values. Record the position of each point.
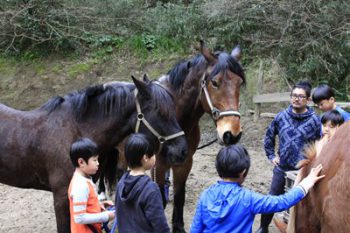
(23, 211)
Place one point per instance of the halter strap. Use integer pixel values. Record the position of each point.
(216, 113)
(141, 118)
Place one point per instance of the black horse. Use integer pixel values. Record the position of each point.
(34, 145)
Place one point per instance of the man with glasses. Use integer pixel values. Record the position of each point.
(295, 126)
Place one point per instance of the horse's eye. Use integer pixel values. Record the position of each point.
(215, 84)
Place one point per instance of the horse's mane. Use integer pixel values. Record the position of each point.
(103, 100)
(310, 153)
(52, 104)
(178, 74)
(162, 102)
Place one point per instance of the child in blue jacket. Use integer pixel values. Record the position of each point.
(228, 207)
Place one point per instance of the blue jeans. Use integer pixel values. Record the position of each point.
(167, 185)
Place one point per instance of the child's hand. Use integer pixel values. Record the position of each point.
(308, 182)
(106, 204)
(111, 215)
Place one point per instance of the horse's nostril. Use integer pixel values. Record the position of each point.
(229, 139)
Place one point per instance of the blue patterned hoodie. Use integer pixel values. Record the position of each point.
(294, 131)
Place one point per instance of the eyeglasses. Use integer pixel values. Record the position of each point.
(300, 97)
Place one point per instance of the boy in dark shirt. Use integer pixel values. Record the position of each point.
(324, 97)
(139, 206)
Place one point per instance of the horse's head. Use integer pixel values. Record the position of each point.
(157, 119)
(221, 82)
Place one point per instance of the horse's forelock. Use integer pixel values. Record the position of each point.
(227, 62)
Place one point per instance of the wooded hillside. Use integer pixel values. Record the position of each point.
(309, 39)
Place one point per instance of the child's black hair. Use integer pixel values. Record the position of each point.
(136, 147)
(322, 92)
(231, 161)
(333, 116)
(305, 85)
(82, 148)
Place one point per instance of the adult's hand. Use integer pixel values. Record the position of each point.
(275, 161)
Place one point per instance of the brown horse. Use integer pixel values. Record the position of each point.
(326, 208)
(35, 144)
(209, 83)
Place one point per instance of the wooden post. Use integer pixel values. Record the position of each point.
(259, 89)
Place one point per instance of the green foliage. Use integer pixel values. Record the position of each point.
(7, 65)
(309, 39)
(77, 69)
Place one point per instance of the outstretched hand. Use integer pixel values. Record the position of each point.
(308, 182)
(314, 174)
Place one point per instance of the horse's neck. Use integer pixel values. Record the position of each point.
(5, 110)
(188, 107)
(112, 128)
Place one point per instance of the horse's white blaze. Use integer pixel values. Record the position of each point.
(225, 125)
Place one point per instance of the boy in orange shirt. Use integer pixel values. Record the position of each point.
(85, 209)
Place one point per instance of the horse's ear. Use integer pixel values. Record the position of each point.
(145, 78)
(236, 53)
(206, 53)
(142, 87)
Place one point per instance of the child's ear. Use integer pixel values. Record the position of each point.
(81, 161)
(145, 158)
(332, 99)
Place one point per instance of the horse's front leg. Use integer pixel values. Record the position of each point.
(59, 182)
(158, 175)
(61, 205)
(180, 176)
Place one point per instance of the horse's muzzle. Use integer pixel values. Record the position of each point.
(228, 138)
(177, 158)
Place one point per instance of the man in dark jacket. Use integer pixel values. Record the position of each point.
(295, 126)
(139, 206)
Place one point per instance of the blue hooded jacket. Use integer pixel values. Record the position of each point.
(227, 207)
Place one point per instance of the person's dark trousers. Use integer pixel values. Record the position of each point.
(277, 188)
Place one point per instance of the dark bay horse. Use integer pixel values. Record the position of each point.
(34, 145)
(208, 83)
(326, 208)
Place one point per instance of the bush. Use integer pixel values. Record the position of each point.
(309, 39)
